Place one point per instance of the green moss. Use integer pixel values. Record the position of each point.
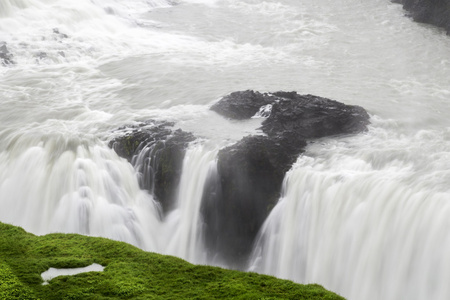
(130, 144)
(10, 285)
(129, 273)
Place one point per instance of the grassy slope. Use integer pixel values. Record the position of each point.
(130, 273)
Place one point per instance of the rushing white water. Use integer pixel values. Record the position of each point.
(366, 215)
(371, 224)
(184, 230)
(60, 185)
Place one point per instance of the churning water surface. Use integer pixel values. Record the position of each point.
(366, 216)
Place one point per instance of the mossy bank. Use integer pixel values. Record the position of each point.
(129, 273)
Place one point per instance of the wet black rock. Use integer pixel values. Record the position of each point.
(434, 12)
(250, 173)
(6, 58)
(242, 105)
(136, 137)
(308, 116)
(157, 152)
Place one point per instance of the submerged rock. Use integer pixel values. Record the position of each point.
(250, 173)
(6, 58)
(157, 154)
(434, 12)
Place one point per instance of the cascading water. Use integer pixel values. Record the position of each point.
(184, 224)
(365, 216)
(67, 185)
(359, 220)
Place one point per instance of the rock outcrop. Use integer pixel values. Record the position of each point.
(308, 116)
(157, 154)
(250, 173)
(434, 12)
(242, 105)
(240, 195)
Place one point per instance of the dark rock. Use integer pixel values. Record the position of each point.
(308, 116)
(250, 173)
(434, 12)
(157, 154)
(242, 105)
(168, 166)
(6, 58)
(131, 143)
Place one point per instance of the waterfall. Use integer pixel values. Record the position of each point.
(62, 185)
(67, 185)
(365, 216)
(364, 224)
(184, 224)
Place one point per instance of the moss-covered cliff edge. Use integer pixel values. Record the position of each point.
(129, 273)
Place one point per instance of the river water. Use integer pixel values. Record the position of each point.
(367, 216)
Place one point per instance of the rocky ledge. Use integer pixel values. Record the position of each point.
(247, 185)
(434, 12)
(156, 152)
(242, 105)
(251, 172)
